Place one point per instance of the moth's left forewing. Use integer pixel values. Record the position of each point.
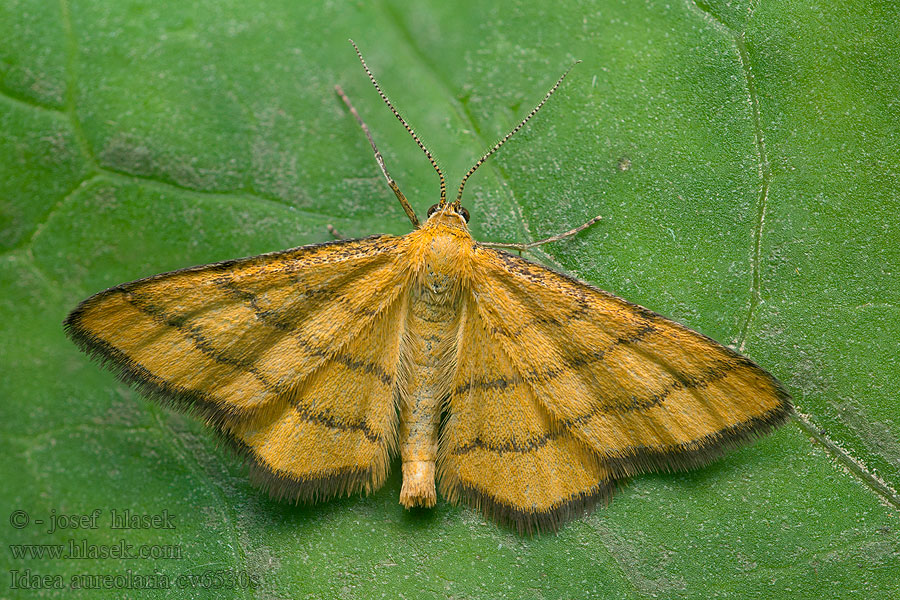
(276, 351)
(643, 392)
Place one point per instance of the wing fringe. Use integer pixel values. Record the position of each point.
(702, 451)
(308, 490)
(533, 522)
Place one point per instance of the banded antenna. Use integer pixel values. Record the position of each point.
(405, 124)
(480, 161)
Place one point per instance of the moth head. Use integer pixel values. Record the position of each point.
(449, 208)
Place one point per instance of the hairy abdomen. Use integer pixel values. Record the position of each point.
(428, 357)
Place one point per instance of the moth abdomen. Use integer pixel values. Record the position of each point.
(428, 357)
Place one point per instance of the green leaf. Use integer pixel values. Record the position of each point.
(743, 156)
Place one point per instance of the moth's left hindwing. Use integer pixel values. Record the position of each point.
(275, 351)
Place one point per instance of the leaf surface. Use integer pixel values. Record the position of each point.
(743, 156)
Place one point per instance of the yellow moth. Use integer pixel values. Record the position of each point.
(516, 389)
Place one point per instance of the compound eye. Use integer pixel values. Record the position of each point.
(431, 210)
(464, 213)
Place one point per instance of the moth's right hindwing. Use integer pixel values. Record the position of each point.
(562, 388)
(501, 450)
(265, 348)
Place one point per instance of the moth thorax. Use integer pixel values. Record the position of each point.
(441, 274)
(436, 284)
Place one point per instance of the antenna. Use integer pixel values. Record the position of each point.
(408, 128)
(496, 147)
(380, 160)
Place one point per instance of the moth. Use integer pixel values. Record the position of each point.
(503, 384)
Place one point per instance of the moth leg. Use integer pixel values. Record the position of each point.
(555, 238)
(380, 160)
(334, 232)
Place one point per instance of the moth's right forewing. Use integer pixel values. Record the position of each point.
(642, 391)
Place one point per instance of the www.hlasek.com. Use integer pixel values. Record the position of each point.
(75, 549)
(212, 579)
